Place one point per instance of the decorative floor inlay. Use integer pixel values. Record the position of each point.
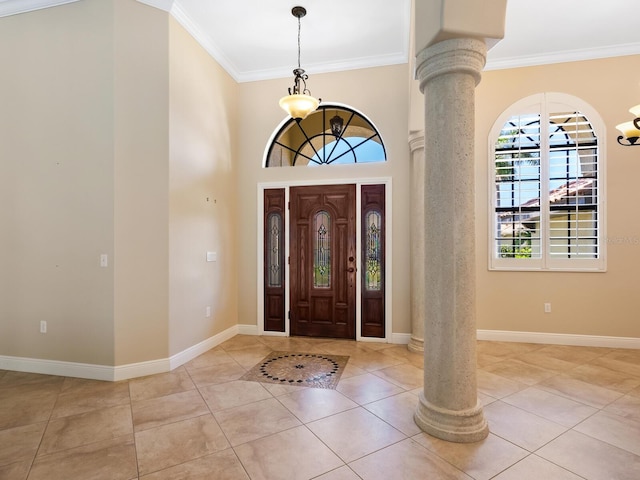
(302, 369)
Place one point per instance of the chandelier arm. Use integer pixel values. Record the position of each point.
(628, 141)
(636, 122)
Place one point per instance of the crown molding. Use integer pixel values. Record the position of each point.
(180, 14)
(177, 11)
(317, 68)
(15, 7)
(562, 57)
(205, 41)
(165, 5)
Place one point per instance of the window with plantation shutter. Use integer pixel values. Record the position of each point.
(547, 187)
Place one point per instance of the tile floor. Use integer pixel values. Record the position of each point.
(555, 413)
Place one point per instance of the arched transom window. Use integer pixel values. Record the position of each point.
(334, 134)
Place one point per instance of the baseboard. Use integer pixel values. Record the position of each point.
(202, 347)
(117, 373)
(134, 370)
(54, 367)
(248, 329)
(559, 339)
(400, 338)
(141, 369)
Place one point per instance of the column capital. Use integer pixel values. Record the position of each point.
(416, 140)
(456, 55)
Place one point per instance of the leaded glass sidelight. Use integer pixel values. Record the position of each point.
(274, 231)
(322, 250)
(373, 251)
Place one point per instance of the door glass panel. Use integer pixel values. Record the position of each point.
(373, 251)
(274, 232)
(322, 250)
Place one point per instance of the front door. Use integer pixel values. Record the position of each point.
(323, 261)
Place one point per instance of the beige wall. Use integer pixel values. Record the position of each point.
(202, 194)
(115, 129)
(57, 183)
(120, 136)
(141, 196)
(379, 93)
(582, 303)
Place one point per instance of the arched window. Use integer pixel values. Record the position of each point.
(547, 186)
(334, 134)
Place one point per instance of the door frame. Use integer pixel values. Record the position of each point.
(387, 181)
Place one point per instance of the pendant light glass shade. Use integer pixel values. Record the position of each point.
(630, 130)
(299, 106)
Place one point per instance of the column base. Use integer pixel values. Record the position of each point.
(465, 426)
(416, 345)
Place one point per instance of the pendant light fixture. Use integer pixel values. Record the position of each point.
(630, 130)
(299, 103)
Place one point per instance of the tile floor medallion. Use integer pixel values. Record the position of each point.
(301, 369)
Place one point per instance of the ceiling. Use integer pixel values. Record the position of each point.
(257, 39)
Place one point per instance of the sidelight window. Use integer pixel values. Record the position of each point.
(322, 250)
(274, 231)
(373, 251)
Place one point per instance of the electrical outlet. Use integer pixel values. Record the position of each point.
(207, 312)
(43, 326)
(547, 308)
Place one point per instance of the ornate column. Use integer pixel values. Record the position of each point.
(448, 408)
(416, 145)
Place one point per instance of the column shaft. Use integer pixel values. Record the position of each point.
(416, 144)
(448, 408)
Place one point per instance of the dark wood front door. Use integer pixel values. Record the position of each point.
(323, 261)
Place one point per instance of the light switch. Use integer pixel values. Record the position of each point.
(211, 256)
(104, 260)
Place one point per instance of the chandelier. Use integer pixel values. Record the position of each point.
(630, 130)
(299, 103)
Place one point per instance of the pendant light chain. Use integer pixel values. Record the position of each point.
(299, 42)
